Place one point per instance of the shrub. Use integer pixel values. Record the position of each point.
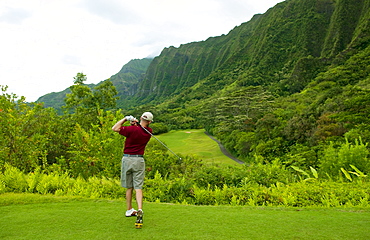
(345, 155)
(159, 128)
(53, 182)
(160, 189)
(185, 190)
(13, 180)
(266, 174)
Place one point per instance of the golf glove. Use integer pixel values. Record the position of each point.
(130, 118)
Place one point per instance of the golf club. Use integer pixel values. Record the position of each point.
(137, 123)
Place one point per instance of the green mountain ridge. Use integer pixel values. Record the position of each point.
(126, 81)
(287, 37)
(282, 84)
(285, 82)
(279, 47)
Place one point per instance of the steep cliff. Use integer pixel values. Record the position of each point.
(296, 37)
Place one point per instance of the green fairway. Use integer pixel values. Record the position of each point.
(195, 142)
(47, 217)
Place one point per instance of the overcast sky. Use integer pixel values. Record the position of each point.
(45, 43)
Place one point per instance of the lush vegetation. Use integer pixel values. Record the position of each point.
(287, 93)
(287, 84)
(296, 84)
(46, 153)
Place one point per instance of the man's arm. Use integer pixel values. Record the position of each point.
(118, 124)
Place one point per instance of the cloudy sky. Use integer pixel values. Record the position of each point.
(45, 43)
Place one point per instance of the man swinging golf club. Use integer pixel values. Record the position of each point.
(133, 164)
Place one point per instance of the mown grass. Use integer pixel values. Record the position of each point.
(195, 142)
(29, 216)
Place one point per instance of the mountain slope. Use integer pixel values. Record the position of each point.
(126, 81)
(297, 78)
(264, 45)
(282, 87)
(268, 50)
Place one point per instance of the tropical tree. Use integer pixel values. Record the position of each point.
(85, 102)
(27, 132)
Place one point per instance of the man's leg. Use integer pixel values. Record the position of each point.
(139, 216)
(129, 198)
(139, 198)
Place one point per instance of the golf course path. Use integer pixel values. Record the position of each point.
(223, 149)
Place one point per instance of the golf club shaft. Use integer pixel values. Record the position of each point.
(160, 141)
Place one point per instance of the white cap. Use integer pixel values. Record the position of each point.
(147, 116)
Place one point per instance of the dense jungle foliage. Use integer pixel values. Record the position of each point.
(77, 154)
(287, 92)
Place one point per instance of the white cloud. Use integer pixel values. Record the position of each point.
(116, 11)
(46, 43)
(14, 15)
